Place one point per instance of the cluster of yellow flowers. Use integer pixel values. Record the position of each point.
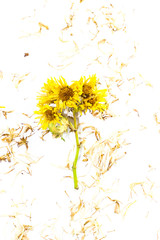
(58, 100)
(57, 96)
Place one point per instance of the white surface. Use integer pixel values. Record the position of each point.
(36, 187)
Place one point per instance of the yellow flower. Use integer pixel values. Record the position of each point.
(58, 100)
(96, 101)
(88, 85)
(58, 92)
(67, 96)
(92, 98)
(57, 96)
(47, 115)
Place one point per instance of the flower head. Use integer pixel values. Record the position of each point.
(88, 85)
(92, 98)
(58, 92)
(96, 101)
(67, 96)
(47, 115)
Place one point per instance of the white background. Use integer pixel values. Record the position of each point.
(37, 197)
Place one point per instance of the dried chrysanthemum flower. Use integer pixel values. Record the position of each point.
(47, 115)
(96, 101)
(58, 100)
(92, 98)
(67, 96)
(58, 92)
(88, 85)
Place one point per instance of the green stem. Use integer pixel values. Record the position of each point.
(74, 167)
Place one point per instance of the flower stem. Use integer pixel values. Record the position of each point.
(74, 167)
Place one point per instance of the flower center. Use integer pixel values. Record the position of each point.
(86, 91)
(92, 100)
(65, 93)
(49, 115)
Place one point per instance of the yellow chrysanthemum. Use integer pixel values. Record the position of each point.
(67, 96)
(47, 115)
(96, 101)
(57, 96)
(88, 85)
(58, 92)
(92, 98)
